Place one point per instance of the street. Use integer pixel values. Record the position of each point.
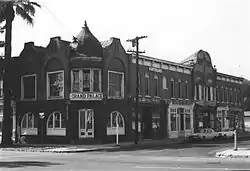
(175, 157)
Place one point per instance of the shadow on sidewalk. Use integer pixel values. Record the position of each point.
(16, 164)
(173, 145)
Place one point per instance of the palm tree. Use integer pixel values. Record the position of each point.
(8, 8)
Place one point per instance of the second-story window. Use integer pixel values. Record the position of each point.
(156, 86)
(179, 89)
(28, 87)
(140, 86)
(147, 85)
(172, 88)
(86, 80)
(115, 84)
(186, 90)
(164, 83)
(1, 88)
(55, 85)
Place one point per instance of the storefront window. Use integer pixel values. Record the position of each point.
(188, 121)
(173, 122)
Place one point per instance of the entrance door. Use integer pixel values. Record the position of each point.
(147, 123)
(86, 123)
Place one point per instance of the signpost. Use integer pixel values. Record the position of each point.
(117, 129)
(41, 116)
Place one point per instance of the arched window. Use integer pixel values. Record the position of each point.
(29, 124)
(156, 86)
(56, 124)
(112, 123)
(147, 85)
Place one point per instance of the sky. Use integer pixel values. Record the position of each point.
(175, 28)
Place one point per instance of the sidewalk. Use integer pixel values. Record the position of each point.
(55, 148)
(231, 153)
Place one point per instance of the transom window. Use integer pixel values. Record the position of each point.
(86, 80)
(115, 84)
(115, 119)
(28, 87)
(55, 85)
(56, 124)
(29, 124)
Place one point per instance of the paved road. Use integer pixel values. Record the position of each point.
(153, 159)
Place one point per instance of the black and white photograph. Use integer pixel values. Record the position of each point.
(125, 85)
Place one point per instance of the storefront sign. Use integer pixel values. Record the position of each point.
(86, 96)
(155, 69)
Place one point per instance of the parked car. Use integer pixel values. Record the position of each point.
(204, 134)
(227, 133)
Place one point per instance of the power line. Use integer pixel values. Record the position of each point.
(135, 42)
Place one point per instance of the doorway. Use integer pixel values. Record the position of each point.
(147, 123)
(86, 123)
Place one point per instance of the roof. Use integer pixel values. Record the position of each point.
(190, 60)
(106, 43)
(86, 43)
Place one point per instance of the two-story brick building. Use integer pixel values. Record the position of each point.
(73, 91)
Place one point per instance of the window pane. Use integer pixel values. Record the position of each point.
(120, 121)
(172, 88)
(56, 84)
(109, 122)
(24, 124)
(115, 83)
(57, 120)
(173, 122)
(28, 87)
(82, 119)
(187, 120)
(114, 119)
(147, 84)
(76, 81)
(89, 119)
(86, 80)
(1, 88)
(50, 122)
(30, 121)
(96, 81)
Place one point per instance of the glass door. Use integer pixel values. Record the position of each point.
(86, 123)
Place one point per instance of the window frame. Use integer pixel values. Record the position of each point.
(29, 130)
(164, 83)
(179, 89)
(22, 86)
(147, 84)
(172, 85)
(122, 85)
(156, 86)
(1, 89)
(112, 130)
(48, 85)
(55, 131)
(81, 79)
(186, 90)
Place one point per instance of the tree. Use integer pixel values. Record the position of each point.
(8, 8)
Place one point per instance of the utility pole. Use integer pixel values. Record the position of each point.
(135, 42)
